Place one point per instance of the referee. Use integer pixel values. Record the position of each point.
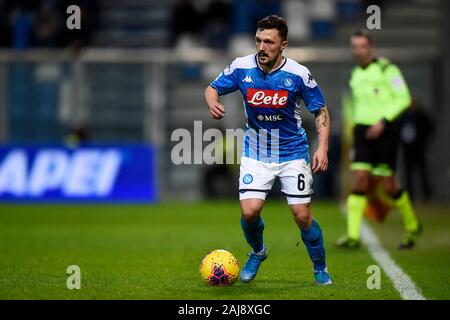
(380, 96)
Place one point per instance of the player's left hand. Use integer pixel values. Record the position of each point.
(320, 161)
(375, 130)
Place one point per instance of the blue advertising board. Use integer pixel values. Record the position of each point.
(90, 173)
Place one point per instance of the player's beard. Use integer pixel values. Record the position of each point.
(264, 59)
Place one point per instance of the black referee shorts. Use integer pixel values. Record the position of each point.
(378, 155)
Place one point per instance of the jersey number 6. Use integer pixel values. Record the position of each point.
(301, 182)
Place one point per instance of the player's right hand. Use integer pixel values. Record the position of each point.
(217, 111)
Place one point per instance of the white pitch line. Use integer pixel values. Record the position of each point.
(402, 282)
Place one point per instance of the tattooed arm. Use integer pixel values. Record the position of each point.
(320, 158)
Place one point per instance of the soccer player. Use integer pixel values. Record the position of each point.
(270, 84)
(380, 96)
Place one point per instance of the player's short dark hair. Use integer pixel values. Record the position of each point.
(363, 33)
(274, 22)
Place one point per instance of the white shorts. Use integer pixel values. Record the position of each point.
(256, 179)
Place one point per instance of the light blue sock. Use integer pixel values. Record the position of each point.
(313, 240)
(253, 233)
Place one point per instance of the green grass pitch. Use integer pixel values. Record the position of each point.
(154, 251)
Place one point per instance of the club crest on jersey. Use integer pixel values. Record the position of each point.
(288, 82)
(260, 98)
(248, 178)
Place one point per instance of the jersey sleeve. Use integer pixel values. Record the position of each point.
(400, 95)
(227, 80)
(309, 91)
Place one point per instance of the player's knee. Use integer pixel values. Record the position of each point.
(250, 216)
(250, 211)
(302, 214)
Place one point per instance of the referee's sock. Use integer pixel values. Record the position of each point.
(405, 208)
(253, 232)
(356, 204)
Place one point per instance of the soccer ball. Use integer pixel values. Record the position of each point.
(219, 268)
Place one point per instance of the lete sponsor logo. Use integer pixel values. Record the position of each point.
(267, 98)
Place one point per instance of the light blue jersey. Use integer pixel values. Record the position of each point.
(274, 126)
